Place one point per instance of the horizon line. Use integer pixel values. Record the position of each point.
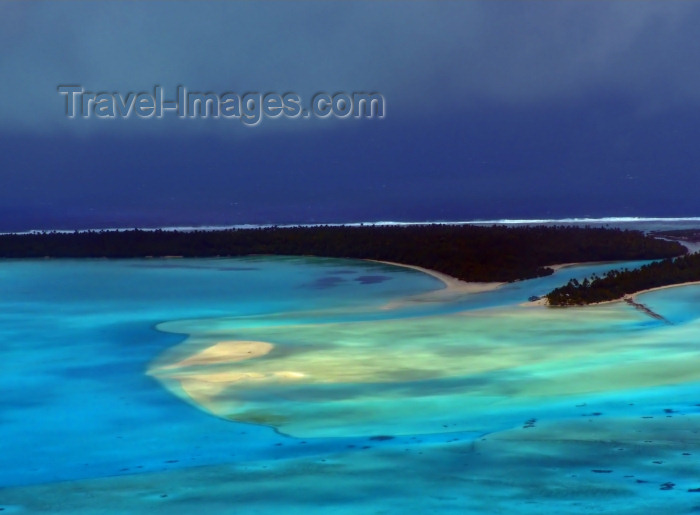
(380, 223)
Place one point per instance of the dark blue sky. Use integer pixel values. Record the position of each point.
(494, 109)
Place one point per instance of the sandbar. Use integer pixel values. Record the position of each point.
(222, 352)
(454, 287)
(199, 376)
(452, 284)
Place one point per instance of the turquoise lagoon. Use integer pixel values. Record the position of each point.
(371, 395)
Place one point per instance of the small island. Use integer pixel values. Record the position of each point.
(617, 284)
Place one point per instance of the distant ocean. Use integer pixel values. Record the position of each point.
(631, 222)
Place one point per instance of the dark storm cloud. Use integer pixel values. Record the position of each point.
(424, 56)
(494, 109)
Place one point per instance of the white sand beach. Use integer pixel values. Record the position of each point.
(453, 287)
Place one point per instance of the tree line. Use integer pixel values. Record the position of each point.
(617, 283)
(467, 252)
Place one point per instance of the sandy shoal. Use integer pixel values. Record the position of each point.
(222, 352)
(199, 383)
(452, 284)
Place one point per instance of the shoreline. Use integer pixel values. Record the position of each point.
(452, 284)
(657, 288)
(454, 288)
(560, 266)
(625, 298)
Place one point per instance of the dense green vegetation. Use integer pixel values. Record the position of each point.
(471, 253)
(618, 283)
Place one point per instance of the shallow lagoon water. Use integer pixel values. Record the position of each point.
(473, 405)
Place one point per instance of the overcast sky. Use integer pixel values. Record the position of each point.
(493, 109)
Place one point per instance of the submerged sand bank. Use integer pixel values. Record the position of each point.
(222, 352)
(199, 374)
(200, 377)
